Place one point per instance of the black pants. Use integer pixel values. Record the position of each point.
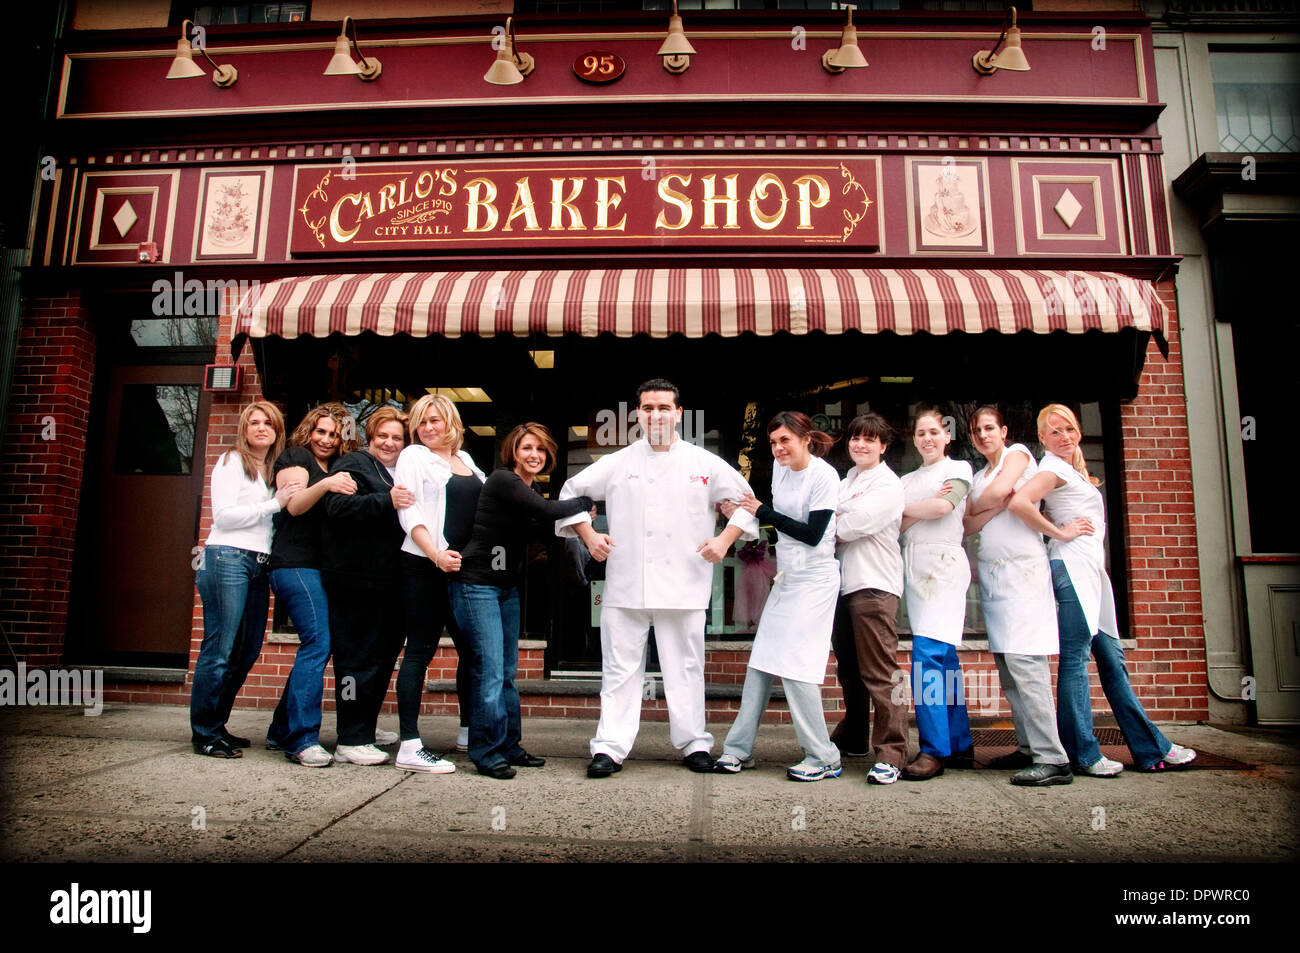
(426, 612)
(366, 636)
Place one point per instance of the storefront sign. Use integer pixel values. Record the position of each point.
(767, 202)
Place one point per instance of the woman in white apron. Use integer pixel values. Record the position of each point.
(1019, 606)
(936, 574)
(794, 634)
(1076, 522)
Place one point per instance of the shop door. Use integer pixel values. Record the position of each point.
(147, 496)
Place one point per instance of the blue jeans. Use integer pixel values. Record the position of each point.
(1073, 704)
(488, 617)
(296, 722)
(939, 698)
(232, 586)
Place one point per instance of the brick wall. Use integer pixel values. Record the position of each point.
(40, 474)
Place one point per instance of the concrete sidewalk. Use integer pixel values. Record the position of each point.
(125, 786)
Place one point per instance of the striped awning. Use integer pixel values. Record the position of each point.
(695, 302)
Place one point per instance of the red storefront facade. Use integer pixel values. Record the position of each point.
(762, 230)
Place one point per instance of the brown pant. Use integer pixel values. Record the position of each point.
(865, 639)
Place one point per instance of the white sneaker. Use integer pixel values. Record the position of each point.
(1178, 755)
(806, 771)
(462, 739)
(313, 756)
(1102, 768)
(386, 737)
(882, 773)
(730, 764)
(424, 760)
(360, 754)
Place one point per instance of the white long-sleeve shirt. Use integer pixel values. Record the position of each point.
(867, 521)
(425, 474)
(241, 508)
(660, 507)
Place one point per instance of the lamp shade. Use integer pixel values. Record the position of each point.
(341, 63)
(183, 66)
(675, 43)
(1012, 56)
(503, 71)
(848, 56)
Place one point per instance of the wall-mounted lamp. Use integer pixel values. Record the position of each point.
(510, 66)
(184, 67)
(988, 62)
(847, 55)
(342, 64)
(676, 49)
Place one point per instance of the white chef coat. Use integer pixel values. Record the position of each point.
(1015, 578)
(867, 519)
(425, 474)
(794, 634)
(936, 572)
(1084, 556)
(660, 507)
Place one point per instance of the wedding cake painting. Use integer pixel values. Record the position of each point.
(232, 206)
(948, 210)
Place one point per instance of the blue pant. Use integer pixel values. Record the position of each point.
(232, 586)
(296, 722)
(488, 617)
(939, 698)
(1073, 704)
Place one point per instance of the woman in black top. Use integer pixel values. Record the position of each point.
(296, 579)
(361, 540)
(485, 593)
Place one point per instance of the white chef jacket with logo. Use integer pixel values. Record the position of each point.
(660, 507)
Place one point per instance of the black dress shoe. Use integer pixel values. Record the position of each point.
(526, 760)
(961, 759)
(602, 766)
(699, 761)
(1011, 762)
(499, 770)
(234, 740)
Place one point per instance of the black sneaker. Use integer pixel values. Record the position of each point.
(1041, 775)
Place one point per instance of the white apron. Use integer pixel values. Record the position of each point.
(1092, 585)
(1084, 557)
(935, 579)
(794, 636)
(1015, 578)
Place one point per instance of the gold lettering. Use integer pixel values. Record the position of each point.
(673, 197)
(522, 205)
(387, 197)
(758, 193)
(711, 200)
(448, 177)
(422, 190)
(605, 202)
(806, 202)
(559, 206)
(475, 202)
(337, 231)
(402, 197)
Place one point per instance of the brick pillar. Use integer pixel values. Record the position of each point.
(41, 474)
(1168, 667)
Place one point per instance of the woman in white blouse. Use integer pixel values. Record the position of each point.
(1075, 521)
(936, 574)
(1019, 608)
(232, 579)
(446, 484)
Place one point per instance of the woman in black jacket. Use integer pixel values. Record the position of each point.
(361, 539)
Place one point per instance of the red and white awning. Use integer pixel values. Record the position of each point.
(695, 302)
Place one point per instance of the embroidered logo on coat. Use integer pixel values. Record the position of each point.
(698, 478)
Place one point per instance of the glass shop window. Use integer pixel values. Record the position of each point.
(251, 13)
(1257, 100)
(160, 438)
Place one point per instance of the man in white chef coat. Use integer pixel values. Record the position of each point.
(659, 493)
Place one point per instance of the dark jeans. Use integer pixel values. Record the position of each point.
(426, 611)
(366, 631)
(489, 618)
(232, 585)
(296, 722)
(865, 639)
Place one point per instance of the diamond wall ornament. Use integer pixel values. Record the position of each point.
(124, 218)
(1068, 208)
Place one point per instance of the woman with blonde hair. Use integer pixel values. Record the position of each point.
(231, 579)
(446, 484)
(485, 593)
(325, 432)
(1075, 521)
